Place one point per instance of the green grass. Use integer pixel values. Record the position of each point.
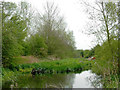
(59, 65)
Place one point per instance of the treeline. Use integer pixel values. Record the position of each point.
(28, 32)
(85, 53)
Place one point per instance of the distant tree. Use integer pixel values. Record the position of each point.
(53, 29)
(81, 53)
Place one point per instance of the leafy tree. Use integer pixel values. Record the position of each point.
(53, 29)
(14, 32)
(37, 46)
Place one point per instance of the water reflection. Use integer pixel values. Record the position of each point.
(71, 80)
(86, 79)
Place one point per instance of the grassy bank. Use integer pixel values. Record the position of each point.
(56, 66)
(108, 80)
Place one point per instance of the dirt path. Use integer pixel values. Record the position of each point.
(30, 59)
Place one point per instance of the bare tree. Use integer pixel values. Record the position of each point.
(52, 27)
(104, 18)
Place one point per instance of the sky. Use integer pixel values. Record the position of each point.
(75, 17)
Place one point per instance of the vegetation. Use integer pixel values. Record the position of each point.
(36, 46)
(57, 66)
(52, 28)
(44, 35)
(50, 37)
(85, 53)
(14, 31)
(107, 36)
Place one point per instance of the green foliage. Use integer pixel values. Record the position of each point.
(104, 52)
(48, 40)
(108, 73)
(14, 32)
(10, 47)
(37, 46)
(26, 48)
(20, 70)
(8, 75)
(79, 53)
(106, 63)
(85, 53)
(60, 65)
(52, 28)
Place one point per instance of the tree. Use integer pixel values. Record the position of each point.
(53, 29)
(14, 32)
(105, 28)
(37, 46)
(105, 16)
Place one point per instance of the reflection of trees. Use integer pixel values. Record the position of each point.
(95, 81)
(53, 80)
(45, 81)
(60, 81)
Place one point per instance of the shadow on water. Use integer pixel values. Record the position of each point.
(84, 79)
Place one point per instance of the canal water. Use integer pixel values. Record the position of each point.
(85, 79)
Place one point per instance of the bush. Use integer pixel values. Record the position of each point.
(37, 46)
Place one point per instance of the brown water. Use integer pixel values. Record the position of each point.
(85, 79)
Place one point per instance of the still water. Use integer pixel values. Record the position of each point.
(85, 79)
